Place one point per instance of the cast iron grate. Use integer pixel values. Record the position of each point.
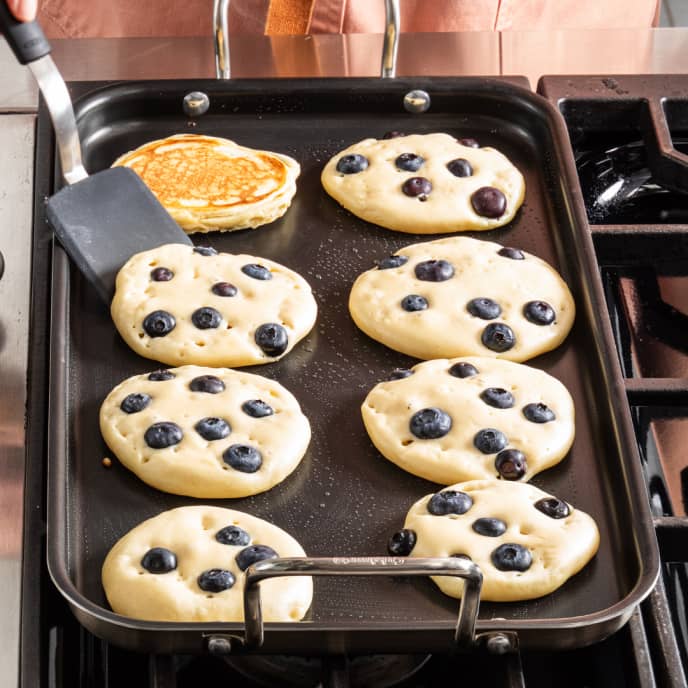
(628, 136)
(621, 661)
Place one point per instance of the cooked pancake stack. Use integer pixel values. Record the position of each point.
(208, 183)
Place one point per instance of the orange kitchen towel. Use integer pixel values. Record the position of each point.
(288, 17)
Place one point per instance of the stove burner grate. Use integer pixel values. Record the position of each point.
(381, 671)
(619, 187)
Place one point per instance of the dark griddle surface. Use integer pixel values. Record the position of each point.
(345, 499)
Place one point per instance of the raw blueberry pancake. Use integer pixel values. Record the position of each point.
(205, 432)
(425, 184)
(463, 297)
(471, 418)
(188, 564)
(208, 183)
(526, 542)
(177, 304)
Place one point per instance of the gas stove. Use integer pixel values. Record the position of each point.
(628, 138)
(616, 127)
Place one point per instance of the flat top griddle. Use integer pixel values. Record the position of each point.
(345, 500)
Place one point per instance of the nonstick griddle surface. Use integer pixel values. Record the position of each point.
(345, 499)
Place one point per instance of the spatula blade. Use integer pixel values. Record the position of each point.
(105, 219)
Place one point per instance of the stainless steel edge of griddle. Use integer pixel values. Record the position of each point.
(17, 136)
(390, 45)
(464, 634)
(221, 36)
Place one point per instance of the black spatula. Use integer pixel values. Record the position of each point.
(102, 219)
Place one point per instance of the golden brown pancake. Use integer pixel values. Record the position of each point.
(208, 183)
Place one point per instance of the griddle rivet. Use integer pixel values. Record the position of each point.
(217, 645)
(196, 103)
(499, 644)
(417, 101)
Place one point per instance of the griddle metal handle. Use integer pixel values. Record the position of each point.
(390, 45)
(464, 635)
(220, 32)
(27, 40)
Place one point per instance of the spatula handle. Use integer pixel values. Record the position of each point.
(25, 38)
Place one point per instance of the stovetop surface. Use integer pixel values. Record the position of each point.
(642, 250)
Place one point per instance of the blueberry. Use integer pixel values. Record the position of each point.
(484, 308)
(352, 164)
(463, 370)
(511, 557)
(162, 435)
(243, 458)
(417, 186)
(489, 202)
(409, 162)
(253, 553)
(400, 373)
(393, 134)
(392, 262)
(272, 339)
(206, 318)
(159, 560)
(553, 507)
(224, 289)
(434, 270)
(205, 250)
(460, 167)
(490, 441)
(470, 142)
(430, 424)
(216, 580)
(161, 376)
(401, 544)
(510, 252)
(511, 464)
(490, 527)
(207, 383)
(233, 535)
(212, 428)
(414, 302)
(539, 313)
(449, 502)
(257, 271)
(498, 337)
(538, 413)
(159, 323)
(497, 397)
(161, 275)
(257, 408)
(133, 403)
